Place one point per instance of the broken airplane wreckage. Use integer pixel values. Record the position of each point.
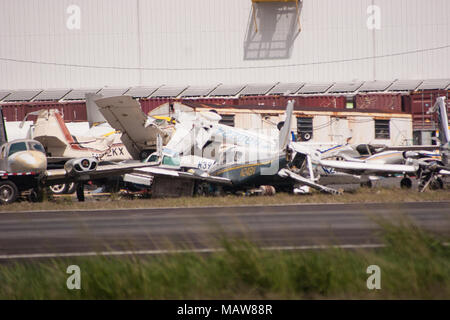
(197, 145)
(192, 153)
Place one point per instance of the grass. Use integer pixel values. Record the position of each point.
(414, 265)
(362, 195)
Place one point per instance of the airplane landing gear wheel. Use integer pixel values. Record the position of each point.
(80, 192)
(63, 188)
(366, 184)
(8, 192)
(58, 188)
(437, 184)
(202, 189)
(406, 183)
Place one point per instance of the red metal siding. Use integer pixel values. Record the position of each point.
(221, 101)
(72, 111)
(269, 101)
(418, 103)
(334, 102)
(148, 105)
(391, 102)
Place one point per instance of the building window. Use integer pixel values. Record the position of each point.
(304, 128)
(227, 119)
(382, 129)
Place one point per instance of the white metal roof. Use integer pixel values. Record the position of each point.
(345, 87)
(286, 88)
(433, 84)
(113, 92)
(256, 89)
(227, 90)
(169, 91)
(376, 85)
(405, 85)
(51, 94)
(79, 94)
(198, 91)
(22, 95)
(4, 93)
(141, 91)
(315, 87)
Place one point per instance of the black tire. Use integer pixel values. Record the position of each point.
(202, 189)
(8, 192)
(36, 195)
(406, 183)
(437, 184)
(80, 192)
(71, 188)
(366, 184)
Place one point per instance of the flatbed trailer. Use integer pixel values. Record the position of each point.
(13, 184)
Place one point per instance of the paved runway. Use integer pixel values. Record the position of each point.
(81, 232)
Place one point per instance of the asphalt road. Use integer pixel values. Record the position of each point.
(40, 234)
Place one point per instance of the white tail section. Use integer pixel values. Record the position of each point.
(286, 129)
(51, 130)
(94, 115)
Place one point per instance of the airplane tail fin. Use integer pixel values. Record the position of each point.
(94, 115)
(285, 130)
(51, 130)
(441, 109)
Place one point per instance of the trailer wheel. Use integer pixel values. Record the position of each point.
(406, 183)
(36, 195)
(8, 192)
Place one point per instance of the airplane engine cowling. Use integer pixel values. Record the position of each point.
(411, 155)
(80, 165)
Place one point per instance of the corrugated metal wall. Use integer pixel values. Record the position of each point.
(123, 42)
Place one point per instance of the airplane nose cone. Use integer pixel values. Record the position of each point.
(28, 161)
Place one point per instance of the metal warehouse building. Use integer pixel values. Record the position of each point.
(385, 58)
(91, 43)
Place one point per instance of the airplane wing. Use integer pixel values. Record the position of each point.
(124, 114)
(156, 171)
(412, 148)
(56, 176)
(304, 181)
(366, 168)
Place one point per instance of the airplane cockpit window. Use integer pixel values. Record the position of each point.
(171, 161)
(17, 147)
(37, 147)
(153, 158)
